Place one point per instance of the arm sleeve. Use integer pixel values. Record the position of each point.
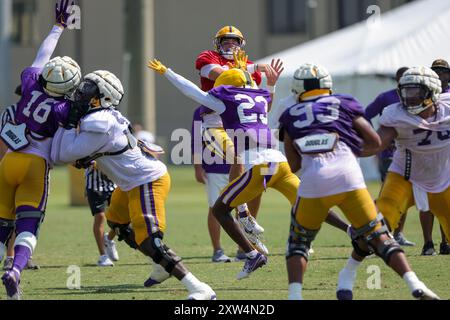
(70, 146)
(47, 47)
(190, 90)
(206, 70)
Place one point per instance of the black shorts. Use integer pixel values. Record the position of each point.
(98, 200)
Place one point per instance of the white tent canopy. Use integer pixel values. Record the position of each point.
(411, 35)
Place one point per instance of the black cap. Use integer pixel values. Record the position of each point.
(440, 63)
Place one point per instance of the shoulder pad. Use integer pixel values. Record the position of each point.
(97, 122)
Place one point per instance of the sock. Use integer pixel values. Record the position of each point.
(242, 209)
(191, 282)
(412, 281)
(295, 291)
(252, 254)
(21, 256)
(347, 275)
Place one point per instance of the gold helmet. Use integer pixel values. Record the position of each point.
(235, 77)
(228, 32)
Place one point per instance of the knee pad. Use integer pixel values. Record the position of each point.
(299, 243)
(161, 252)
(387, 248)
(124, 233)
(362, 252)
(26, 239)
(384, 250)
(29, 221)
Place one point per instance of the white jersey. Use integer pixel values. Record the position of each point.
(105, 131)
(423, 145)
(330, 173)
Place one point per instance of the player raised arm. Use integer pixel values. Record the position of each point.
(187, 87)
(48, 46)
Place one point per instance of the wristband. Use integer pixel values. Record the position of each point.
(271, 89)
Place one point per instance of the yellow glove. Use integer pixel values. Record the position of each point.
(240, 59)
(157, 66)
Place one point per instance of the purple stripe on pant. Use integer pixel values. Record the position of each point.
(152, 203)
(43, 202)
(241, 188)
(144, 210)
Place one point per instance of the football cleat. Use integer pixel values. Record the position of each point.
(204, 292)
(8, 264)
(344, 294)
(104, 261)
(444, 248)
(425, 294)
(428, 249)
(11, 281)
(220, 256)
(251, 265)
(31, 265)
(110, 248)
(401, 240)
(158, 275)
(250, 225)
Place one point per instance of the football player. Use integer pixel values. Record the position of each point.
(419, 125)
(99, 189)
(8, 116)
(235, 91)
(210, 64)
(385, 158)
(142, 181)
(323, 134)
(24, 171)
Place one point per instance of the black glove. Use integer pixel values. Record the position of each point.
(77, 111)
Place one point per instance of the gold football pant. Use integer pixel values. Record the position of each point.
(24, 184)
(397, 197)
(357, 206)
(254, 182)
(143, 207)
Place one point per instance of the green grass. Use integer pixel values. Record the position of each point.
(66, 239)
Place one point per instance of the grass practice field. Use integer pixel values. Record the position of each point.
(66, 239)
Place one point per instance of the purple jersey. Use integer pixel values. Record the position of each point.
(209, 168)
(327, 114)
(41, 113)
(376, 109)
(245, 111)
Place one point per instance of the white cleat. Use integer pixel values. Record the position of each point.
(311, 250)
(110, 248)
(250, 225)
(105, 261)
(158, 275)
(257, 243)
(425, 294)
(204, 292)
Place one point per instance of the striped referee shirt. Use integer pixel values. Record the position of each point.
(98, 181)
(9, 115)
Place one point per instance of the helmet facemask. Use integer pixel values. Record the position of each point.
(415, 97)
(226, 46)
(83, 95)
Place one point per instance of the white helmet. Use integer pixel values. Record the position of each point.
(60, 76)
(110, 87)
(311, 76)
(420, 84)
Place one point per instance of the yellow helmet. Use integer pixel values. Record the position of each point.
(228, 32)
(235, 77)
